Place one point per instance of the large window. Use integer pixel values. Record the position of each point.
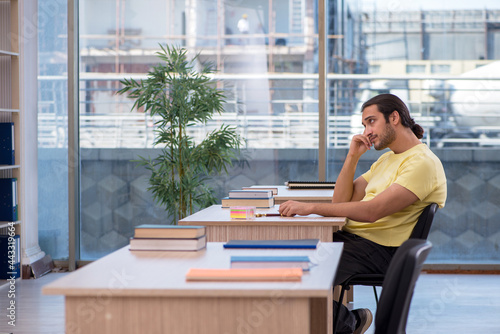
(53, 128)
(440, 62)
(266, 55)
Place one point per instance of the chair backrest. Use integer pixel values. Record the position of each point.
(398, 287)
(423, 225)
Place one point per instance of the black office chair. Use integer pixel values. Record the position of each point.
(398, 287)
(420, 231)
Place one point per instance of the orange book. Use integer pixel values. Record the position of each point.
(268, 274)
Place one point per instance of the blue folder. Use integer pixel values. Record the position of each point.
(7, 144)
(8, 199)
(299, 243)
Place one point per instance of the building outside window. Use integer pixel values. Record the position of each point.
(271, 77)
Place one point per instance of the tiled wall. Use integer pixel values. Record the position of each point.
(114, 198)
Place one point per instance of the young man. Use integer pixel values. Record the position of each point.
(383, 204)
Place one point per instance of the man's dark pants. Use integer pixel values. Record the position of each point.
(359, 256)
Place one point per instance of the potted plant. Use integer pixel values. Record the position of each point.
(180, 97)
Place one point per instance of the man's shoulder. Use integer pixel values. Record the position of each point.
(419, 156)
(422, 152)
(425, 153)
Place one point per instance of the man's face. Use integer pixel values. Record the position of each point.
(380, 132)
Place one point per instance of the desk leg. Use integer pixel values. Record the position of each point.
(321, 309)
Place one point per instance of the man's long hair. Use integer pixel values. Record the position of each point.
(387, 103)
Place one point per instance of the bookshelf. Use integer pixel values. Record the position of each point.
(10, 98)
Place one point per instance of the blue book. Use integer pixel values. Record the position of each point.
(8, 199)
(299, 243)
(8, 271)
(7, 144)
(270, 262)
(10, 265)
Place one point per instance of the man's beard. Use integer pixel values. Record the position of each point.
(387, 138)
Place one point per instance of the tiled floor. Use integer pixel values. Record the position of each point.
(448, 304)
(441, 304)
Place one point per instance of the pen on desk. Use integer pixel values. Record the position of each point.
(268, 215)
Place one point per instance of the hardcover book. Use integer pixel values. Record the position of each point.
(298, 243)
(268, 274)
(256, 202)
(270, 262)
(250, 194)
(258, 187)
(168, 231)
(310, 185)
(144, 244)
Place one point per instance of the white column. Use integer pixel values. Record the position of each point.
(28, 185)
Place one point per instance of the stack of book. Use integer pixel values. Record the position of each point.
(258, 267)
(256, 198)
(151, 237)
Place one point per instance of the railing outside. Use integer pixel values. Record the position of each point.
(284, 113)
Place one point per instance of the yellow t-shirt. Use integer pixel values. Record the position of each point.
(418, 170)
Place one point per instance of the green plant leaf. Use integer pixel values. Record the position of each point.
(182, 97)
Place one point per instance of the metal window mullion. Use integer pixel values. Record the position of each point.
(322, 116)
(73, 137)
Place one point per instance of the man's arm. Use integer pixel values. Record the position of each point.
(347, 190)
(392, 200)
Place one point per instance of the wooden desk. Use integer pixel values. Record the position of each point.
(146, 292)
(303, 195)
(220, 227)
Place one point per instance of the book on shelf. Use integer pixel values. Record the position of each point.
(10, 243)
(310, 185)
(10, 256)
(8, 199)
(302, 262)
(153, 231)
(167, 244)
(8, 271)
(256, 202)
(266, 274)
(258, 187)
(250, 193)
(295, 243)
(7, 156)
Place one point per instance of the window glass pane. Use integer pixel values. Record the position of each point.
(456, 104)
(415, 68)
(440, 68)
(269, 74)
(53, 128)
(265, 53)
(374, 69)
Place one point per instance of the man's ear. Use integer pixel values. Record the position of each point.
(394, 118)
